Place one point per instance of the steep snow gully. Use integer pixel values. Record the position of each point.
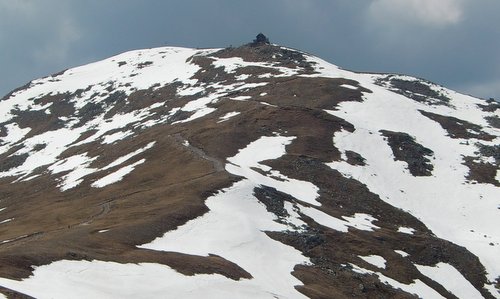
(316, 181)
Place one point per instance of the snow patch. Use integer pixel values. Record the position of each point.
(451, 279)
(294, 219)
(417, 287)
(112, 138)
(102, 280)
(127, 157)
(406, 230)
(6, 220)
(14, 134)
(375, 260)
(349, 86)
(265, 76)
(362, 221)
(191, 90)
(242, 77)
(228, 116)
(198, 114)
(241, 98)
(78, 165)
(268, 261)
(358, 221)
(402, 253)
(117, 175)
(118, 121)
(325, 219)
(267, 148)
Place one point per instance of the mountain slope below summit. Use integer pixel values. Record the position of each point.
(259, 171)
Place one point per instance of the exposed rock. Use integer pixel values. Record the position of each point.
(405, 148)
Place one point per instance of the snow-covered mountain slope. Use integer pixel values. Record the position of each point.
(250, 172)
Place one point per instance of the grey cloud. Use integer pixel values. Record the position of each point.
(418, 12)
(459, 53)
(36, 37)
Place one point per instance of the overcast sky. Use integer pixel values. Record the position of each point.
(455, 43)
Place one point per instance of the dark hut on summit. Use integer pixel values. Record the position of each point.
(260, 40)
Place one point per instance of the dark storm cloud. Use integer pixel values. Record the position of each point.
(452, 42)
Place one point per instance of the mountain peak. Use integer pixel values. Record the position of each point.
(246, 171)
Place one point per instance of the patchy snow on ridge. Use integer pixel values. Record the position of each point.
(200, 106)
(230, 65)
(56, 143)
(474, 207)
(471, 209)
(148, 66)
(466, 206)
(78, 167)
(118, 121)
(94, 83)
